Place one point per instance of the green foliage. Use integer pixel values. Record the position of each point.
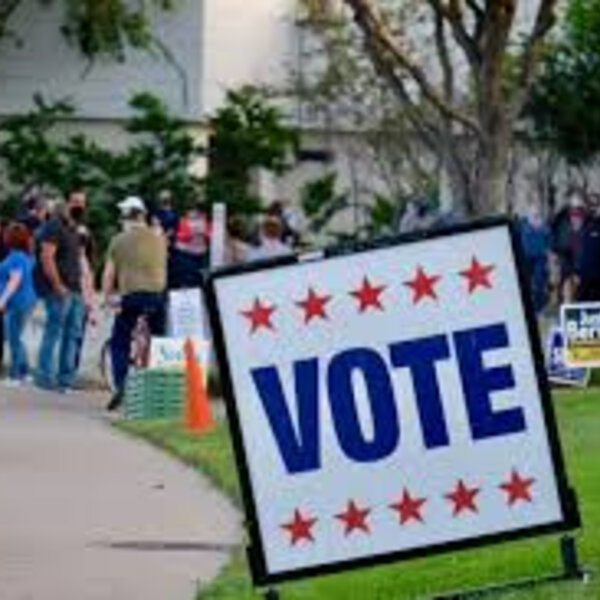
(382, 215)
(101, 28)
(31, 153)
(583, 27)
(248, 133)
(565, 105)
(163, 155)
(105, 28)
(28, 152)
(321, 202)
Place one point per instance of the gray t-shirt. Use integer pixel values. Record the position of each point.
(68, 255)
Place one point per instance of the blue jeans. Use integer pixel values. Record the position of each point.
(15, 320)
(133, 306)
(63, 330)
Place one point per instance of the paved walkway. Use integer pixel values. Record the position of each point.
(88, 514)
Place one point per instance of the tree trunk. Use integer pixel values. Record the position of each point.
(491, 180)
(460, 182)
(494, 143)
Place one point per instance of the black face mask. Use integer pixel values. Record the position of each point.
(77, 213)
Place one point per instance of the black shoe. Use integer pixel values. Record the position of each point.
(115, 401)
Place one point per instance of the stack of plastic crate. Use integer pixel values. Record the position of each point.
(134, 395)
(155, 394)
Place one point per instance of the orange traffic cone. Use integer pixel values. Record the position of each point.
(198, 415)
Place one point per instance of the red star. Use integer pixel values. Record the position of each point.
(409, 508)
(260, 316)
(354, 518)
(369, 296)
(463, 498)
(478, 275)
(313, 306)
(423, 285)
(518, 488)
(300, 528)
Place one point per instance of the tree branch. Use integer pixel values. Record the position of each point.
(545, 20)
(490, 89)
(428, 134)
(384, 49)
(476, 9)
(478, 14)
(444, 56)
(453, 14)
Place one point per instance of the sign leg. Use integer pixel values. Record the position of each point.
(272, 594)
(570, 559)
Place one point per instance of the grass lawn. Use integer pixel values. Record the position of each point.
(579, 417)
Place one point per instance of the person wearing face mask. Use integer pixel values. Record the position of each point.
(587, 267)
(59, 279)
(36, 206)
(567, 233)
(136, 267)
(535, 241)
(17, 297)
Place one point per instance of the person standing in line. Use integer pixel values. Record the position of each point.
(236, 248)
(189, 255)
(17, 297)
(136, 267)
(36, 206)
(59, 284)
(567, 234)
(270, 245)
(587, 267)
(166, 215)
(3, 252)
(290, 220)
(536, 243)
(87, 288)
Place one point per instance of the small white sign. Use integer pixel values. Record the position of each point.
(169, 353)
(389, 402)
(186, 314)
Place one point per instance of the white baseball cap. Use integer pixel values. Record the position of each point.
(131, 204)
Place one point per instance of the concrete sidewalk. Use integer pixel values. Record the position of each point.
(89, 514)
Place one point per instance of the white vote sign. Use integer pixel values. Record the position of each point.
(388, 403)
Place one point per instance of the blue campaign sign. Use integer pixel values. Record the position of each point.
(558, 371)
(581, 334)
(387, 403)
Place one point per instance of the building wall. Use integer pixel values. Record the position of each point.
(111, 133)
(251, 42)
(44, 62)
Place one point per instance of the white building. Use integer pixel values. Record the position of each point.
(215, 45)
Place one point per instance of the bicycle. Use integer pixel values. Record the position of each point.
(139, 355)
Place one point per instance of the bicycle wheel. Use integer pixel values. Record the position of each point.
(106, 371)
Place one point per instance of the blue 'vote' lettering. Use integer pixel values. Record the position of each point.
(373, 369)
(300, 446)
